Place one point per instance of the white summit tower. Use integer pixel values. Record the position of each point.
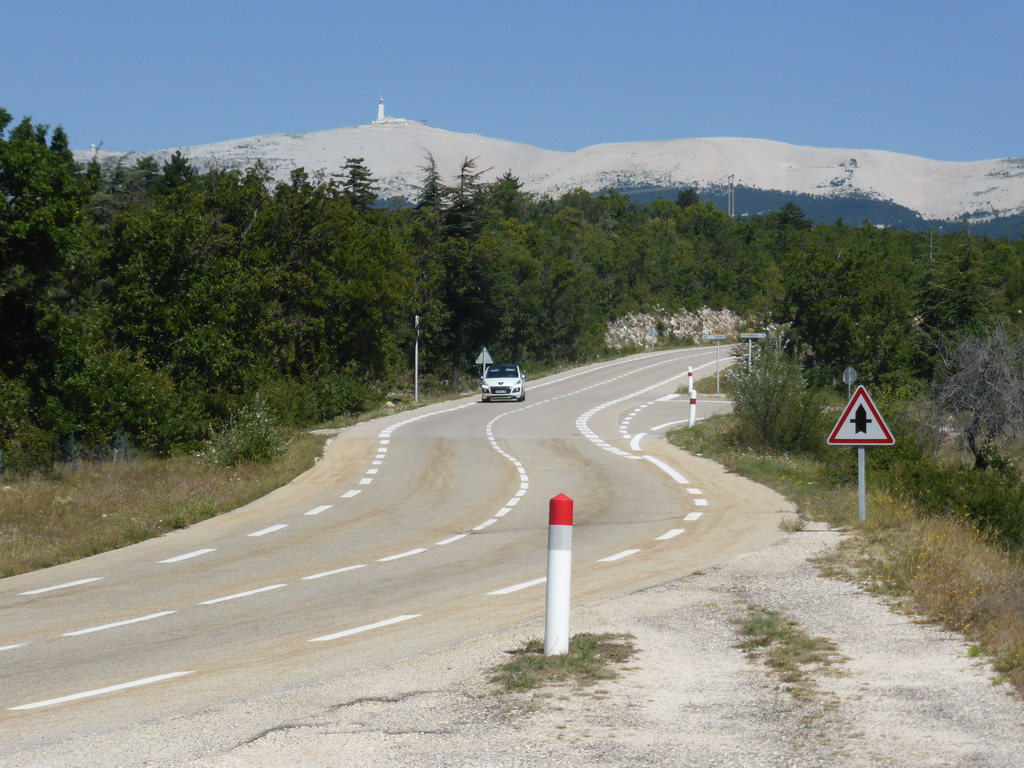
(383, 119)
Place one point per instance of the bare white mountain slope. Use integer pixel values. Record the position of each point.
(395, 152)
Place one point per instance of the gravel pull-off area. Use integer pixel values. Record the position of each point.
(902, 693)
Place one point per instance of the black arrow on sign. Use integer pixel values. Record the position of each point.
(860, 420)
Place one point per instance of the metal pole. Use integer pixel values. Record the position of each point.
(556, 616)
(416, 364)
(718, 358)
(861, 492)
(750, 351)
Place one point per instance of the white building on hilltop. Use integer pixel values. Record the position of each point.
(383, 119)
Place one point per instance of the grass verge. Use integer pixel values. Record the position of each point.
(591, 658)
(937, 567)
(786, 649)
(48, 521)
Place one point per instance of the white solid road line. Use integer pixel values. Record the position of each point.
(366, 628)
(100, 691)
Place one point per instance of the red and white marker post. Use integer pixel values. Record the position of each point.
(689, 378)
(556, 616)
(693, 407)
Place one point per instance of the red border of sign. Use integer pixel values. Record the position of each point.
(859, 395)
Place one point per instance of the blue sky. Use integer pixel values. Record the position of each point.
(937, 79)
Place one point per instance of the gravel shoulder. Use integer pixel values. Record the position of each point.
(904, 694)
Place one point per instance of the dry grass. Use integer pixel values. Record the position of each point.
(589, 660)
(942, 569)
(786, 649)
(48, 521)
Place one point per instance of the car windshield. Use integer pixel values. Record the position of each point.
(501, 372)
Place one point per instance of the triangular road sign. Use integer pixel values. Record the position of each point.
(861, 423)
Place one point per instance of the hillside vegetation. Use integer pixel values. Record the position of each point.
(155, 307)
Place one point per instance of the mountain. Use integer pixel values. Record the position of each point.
(884, 188)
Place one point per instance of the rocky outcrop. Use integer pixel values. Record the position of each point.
(634, 330)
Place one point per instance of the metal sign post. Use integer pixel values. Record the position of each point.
(861, 425)
(849, 377)
(716, 336)
(416, 365)
(483, 360)
(750, 334)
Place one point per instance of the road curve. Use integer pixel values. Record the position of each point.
(414, 532)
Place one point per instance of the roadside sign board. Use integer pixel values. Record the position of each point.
(484, 358)
(753, 335)
(861, 423)
(716, 336)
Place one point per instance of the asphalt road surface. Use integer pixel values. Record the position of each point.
(414, 532)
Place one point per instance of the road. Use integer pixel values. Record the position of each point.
(413, 532)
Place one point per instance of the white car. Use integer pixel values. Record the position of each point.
(507, 382)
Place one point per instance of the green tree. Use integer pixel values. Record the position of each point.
(849, 296)
(774, 402)
(358, 185)
(432, 190)
(42, 192)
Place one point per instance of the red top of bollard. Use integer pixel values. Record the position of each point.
(560, 510)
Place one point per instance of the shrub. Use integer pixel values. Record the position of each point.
(774, 403)
(993, 501)
(342, 393)
(23, 446)
(251, 435)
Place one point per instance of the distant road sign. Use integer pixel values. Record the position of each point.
(861, 423)
(716, 336)
(753, 335)
(484, 358)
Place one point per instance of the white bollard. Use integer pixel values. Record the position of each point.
(556, 617)
(689, 378)
(693, 407)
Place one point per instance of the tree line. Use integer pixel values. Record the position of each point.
(158, 301)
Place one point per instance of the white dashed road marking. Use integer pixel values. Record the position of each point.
(188, 556)
(101, 691)
(366, 628)
(61, 586)
(118, 624)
